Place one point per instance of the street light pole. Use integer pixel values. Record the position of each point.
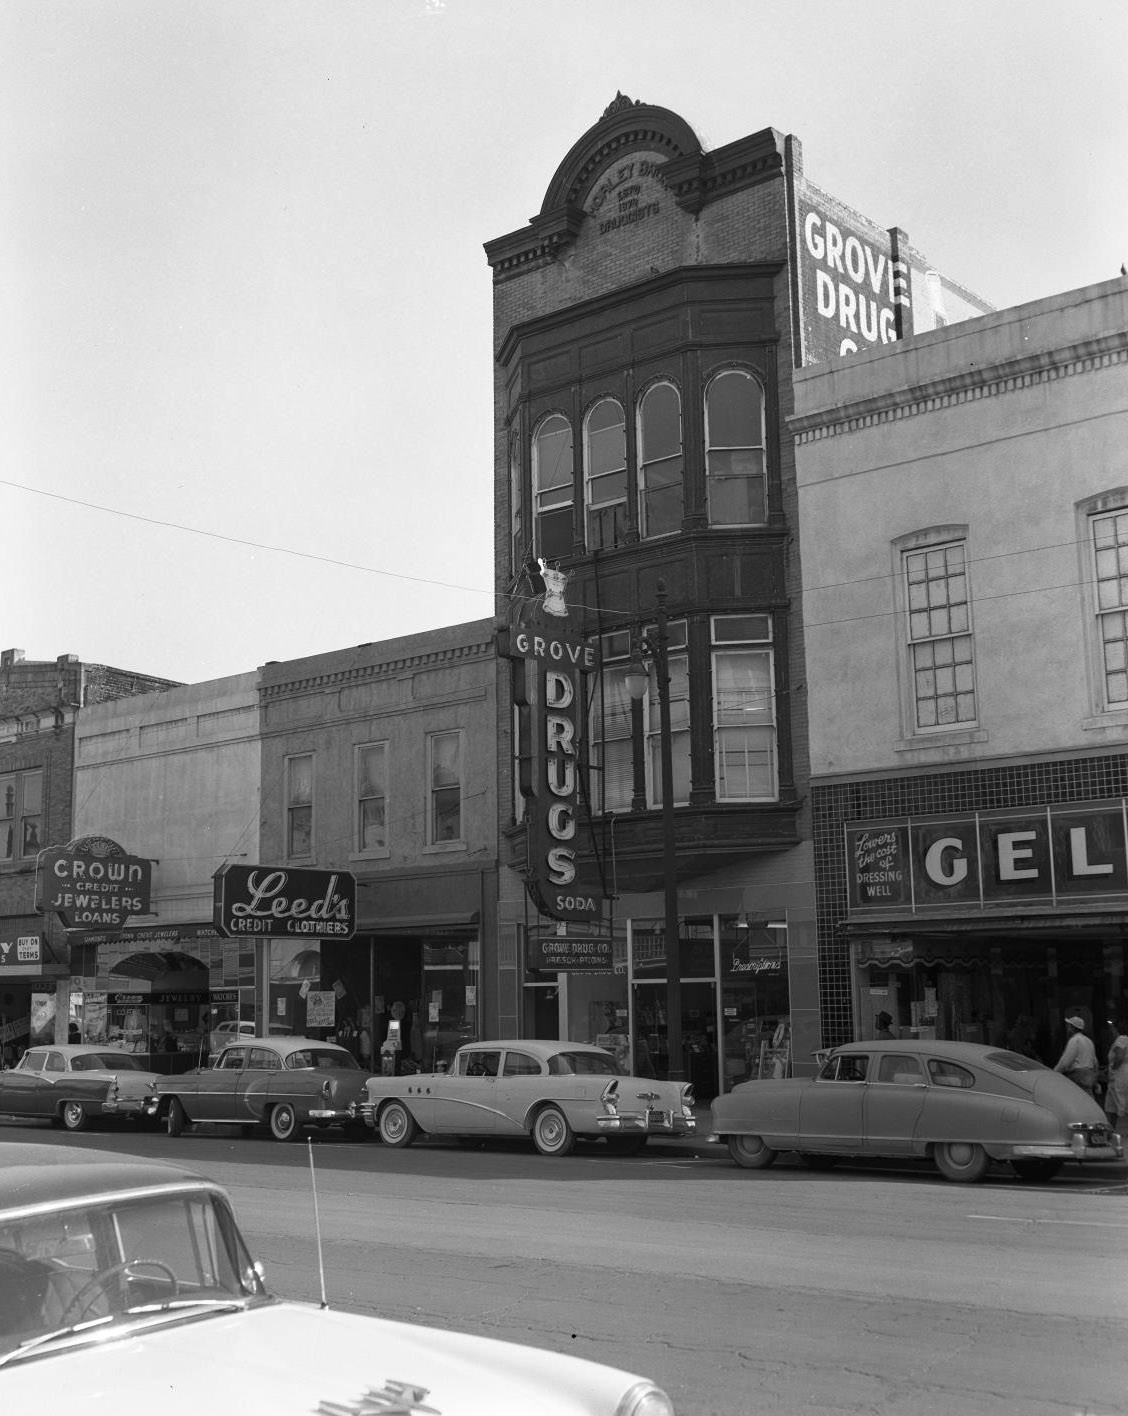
(659, 650)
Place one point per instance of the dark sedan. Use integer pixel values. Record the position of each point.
(285, 1083)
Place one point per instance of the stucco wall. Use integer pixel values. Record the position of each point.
(1001, 425)
(174, 776)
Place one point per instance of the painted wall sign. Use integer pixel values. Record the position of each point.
(854, 290)
(1050, 854)
(548, 693)
(93, 891)
(266, 900)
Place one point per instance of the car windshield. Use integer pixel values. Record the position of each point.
(583, 1064)
(321, 1059)
(1015, 1062)
(106, 1262)
(105, 1062)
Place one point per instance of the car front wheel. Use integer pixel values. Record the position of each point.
(1036, 1168)
(963, 1161)
(74, 1116)
(177, 1118)
(284, 1122)
(751, 1153)
(551, 1133)
(397, 1125)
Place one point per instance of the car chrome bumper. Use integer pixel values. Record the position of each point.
(649, 1123)
(363, 1111)
(1067, 1152)
(126, 1106)
(330, 1115)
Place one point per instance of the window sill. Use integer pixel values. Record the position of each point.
(382, 853)
(1113, 724)
(444, 848)
(942, 741)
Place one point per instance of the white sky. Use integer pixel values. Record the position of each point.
(243, 287)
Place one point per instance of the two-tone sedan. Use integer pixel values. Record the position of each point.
(71, 1084)
(960, 1104)
(553, 1092)
(126, 1286)
(284, 1083)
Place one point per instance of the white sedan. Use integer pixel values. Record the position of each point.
(552, 1092)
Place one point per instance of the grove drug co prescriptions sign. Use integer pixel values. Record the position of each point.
(1060, 853)
(271, 900)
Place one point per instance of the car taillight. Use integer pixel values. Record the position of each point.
(326, 1088)
(609, 1096)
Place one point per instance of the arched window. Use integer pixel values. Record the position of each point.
(552, 487)
(660, 461)
(734, 450)
(605, 475)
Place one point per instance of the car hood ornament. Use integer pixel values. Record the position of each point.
(393, 1399)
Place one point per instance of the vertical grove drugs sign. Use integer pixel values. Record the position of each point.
(549, 665)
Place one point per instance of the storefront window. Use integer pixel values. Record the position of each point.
(755, 1001)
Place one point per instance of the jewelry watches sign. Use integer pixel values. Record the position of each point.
(266, 900)
(1050, 854)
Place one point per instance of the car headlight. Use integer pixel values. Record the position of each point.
(645, 1399)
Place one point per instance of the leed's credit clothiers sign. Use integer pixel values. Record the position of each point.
(269, 900)
(1056, 853)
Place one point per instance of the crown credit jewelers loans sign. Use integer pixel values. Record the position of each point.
(273, 900)
(93, 890)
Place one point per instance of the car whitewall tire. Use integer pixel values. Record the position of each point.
(551, 1133)
(397, 1126)
(284, 1122)
(74, 1117)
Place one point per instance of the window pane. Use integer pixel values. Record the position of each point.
(734, 461)
(300, 835)
(660, 431)
(940, 642)
(32, 792)
(446, 787)
(301, 780)
(734, 410)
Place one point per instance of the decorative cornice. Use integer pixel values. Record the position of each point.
(967, 386)
(385, 668)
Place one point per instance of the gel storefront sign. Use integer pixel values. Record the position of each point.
(268, 900)
(1050, 854)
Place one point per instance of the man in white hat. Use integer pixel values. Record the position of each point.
(1078, 1060)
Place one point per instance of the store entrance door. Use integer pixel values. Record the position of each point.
(699, 1034)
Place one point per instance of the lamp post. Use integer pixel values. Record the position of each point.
(638, 680)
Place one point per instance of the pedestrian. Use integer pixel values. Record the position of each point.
(883, 1025)
(1116, 1097)
(1078, 1060)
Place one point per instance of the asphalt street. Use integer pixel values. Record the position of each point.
(865, 1290)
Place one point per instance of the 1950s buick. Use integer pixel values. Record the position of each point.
(551, 1091)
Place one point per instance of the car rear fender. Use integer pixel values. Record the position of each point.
(996, 1122)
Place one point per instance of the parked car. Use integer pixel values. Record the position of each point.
(285, 1083)
(71, 1084)
(960, 1104)
(227, 1032)
(551, 1091)
(127, 1284)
